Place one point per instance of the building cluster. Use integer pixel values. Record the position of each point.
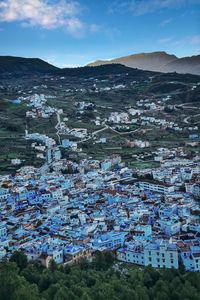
(147, 104)
(137, 143)
(38, 107)
(69, 212)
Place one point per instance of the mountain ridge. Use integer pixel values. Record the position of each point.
(159, 61)
(19, 66)
(152, 62)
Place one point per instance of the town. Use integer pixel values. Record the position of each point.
(146, 217)
(104, 181)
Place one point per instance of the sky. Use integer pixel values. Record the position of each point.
(69, 33)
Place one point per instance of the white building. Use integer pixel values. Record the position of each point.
(159, 188)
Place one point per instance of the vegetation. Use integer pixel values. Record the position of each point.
(66, 87)
(99, 280)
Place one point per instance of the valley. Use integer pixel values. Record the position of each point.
(100, 113)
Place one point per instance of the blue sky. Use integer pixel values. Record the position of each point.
(71, 33)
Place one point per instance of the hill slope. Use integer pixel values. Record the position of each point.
(157, 61)
(17, 65)
(184, 65)
(10, 65)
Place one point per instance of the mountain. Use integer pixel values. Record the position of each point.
(185, 65)
(18, 65)
(157, 61)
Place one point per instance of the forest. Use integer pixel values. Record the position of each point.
(101, 279)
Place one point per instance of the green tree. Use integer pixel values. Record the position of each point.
(20, 259)
(52, 265)
(109, 259)
(64, 294)
(14, 286)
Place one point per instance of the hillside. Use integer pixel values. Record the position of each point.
(184, 65)
(18, 65)
(110, 88)
(157, 61)
(154, 62)
(10, 65)
(101, 279)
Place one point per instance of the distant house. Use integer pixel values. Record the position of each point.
(159, 188)
(161, 254)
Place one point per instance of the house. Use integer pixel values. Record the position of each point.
(158, 188)
(45, 260)
(158, 254)
(161, 254)
(3, 230)
(190, 255)
(170, 227)
(74, 254)
(132, 253)
(109, 240)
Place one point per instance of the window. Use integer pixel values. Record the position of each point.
(158, 259)
(163, 260)
(149, 252)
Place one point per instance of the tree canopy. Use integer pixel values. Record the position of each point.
(102, 279)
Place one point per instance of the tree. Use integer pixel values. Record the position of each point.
(20, 259)
(84, 265)
(109, 259)
(13, 285)
(64, 294)
(52, 265)
(103, 260)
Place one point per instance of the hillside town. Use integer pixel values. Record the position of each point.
(73, 205)
(66, 211)
(99, 150)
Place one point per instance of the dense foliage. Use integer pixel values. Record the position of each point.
(99, 280)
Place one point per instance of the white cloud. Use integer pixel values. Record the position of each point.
(195, 40)
(185, 41)
(141, 7)
(43, 13)
(166, 22)
(165, 40)
(188, 40)
(95, 28)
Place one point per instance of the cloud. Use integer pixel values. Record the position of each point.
(43, 13)
(141, 7)
(166, 22)
(165, 40)
(188, 40)
(185, 41)
(95, 28)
